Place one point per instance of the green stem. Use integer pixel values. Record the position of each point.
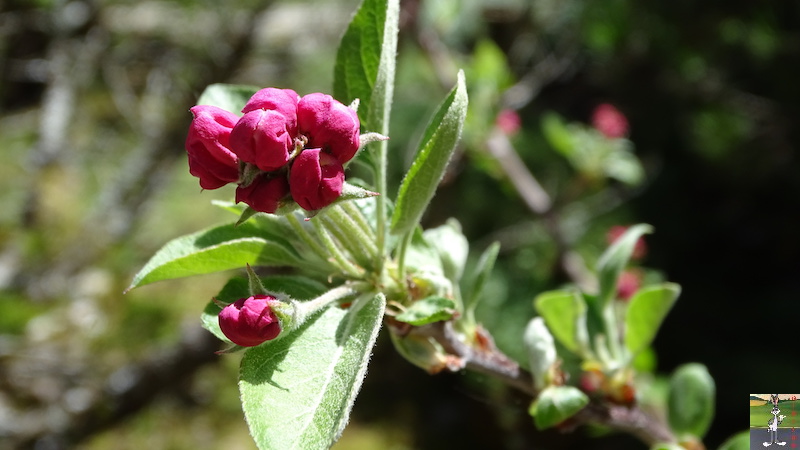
(612, 332)
(354, 231)
(347, 242)
(306, 237)
(346, 266)
(401, 255)
(380, 213)
(355, 212)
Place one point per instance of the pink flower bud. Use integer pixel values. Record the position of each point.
(283, 101)
(508, 122)
(208, 146)
(265, 193)
(250, 321)
(261, 137)
(316, 179)
(628, 283)
(610, 121)
(329, 125)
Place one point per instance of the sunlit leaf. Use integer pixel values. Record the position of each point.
(428, 310)
(646, 310)
(556, 404)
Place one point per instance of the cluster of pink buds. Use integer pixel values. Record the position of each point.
(283, 146)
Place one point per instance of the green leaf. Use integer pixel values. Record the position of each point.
(296, 287)
(691, 400)
(297, 392)
(557, 133)
(541, 351)
(615, 258)
(482, 272)
(213, 250)
(428, 310)
(556, 404)
(230, 97)
(564, 312)
(428, 168)
(365, 62)
(666, 446)
(739, 441)
(646, 310)
(452, 246)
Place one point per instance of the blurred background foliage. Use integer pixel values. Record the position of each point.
(94, 100)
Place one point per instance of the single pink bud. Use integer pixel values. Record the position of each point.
(208, 147)
(264, 193)
(329, 125)
(250, 321)
(628, 283)
(283, 101)
(261, 137)
(508, 122)
(639, 249)
(610, 121)
(316, 179)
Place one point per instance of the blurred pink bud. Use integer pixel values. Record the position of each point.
(283, 101)
(264, 194)
(628, 283)
(261, 137)
(250, 321)
(508, 122)
(316, 179)
(208, 147)
(610, 121)
(329, 125)
(639, 249)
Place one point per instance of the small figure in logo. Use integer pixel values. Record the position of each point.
(774, 422)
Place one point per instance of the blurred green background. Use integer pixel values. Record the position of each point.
(94, 100)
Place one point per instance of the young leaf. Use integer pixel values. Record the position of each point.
(646, 310)
(482, 272)
(739, 441)
(435, 149)
(452, 246)
(296, 287)
(564, 312)
(428, 310)
(691, 400)
(365, 62)
(213, 250)
(230, 97)
(615, 258)
(556, 404)
(297, 392)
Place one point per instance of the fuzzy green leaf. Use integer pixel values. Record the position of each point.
(564, 312)
(739, 441)
(428, 310)
(428, 168)
(613, 261)
(230, 97)
(213, 250)
(297, 391)
(556, 404)
(452, 246)
(646, 310)
(481, 275)
(365, 62)
(691, 400)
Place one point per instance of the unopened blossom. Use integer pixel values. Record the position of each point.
(208, 146)
(508, 122)
(262, 137)
(282, 101)
(329, 125)
(265, 193)
(607, 119)
(316, 179)
(628, 283)
(250, 321)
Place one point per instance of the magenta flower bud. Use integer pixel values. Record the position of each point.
(283, 101)
(610, 121)
(508, 122)
(261, 137)
(250, 321)
(208, 147)
(316, 179)
(264, 194)
(329, 125)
